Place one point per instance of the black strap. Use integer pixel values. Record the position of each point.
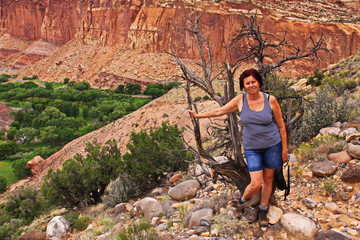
(287, 190)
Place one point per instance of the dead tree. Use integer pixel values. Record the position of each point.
(234, 171)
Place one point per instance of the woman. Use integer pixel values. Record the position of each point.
(264, 137)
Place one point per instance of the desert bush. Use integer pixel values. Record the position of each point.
(228, 226)
(120, 190)
(197, 99)
(72, 217)
(83, 179)
(324, 111)
(82, 222)
(330, 185)
(8, 230)
(152, 155)
(26, 204)
(317, 78)
(339, 85)
(141, 230)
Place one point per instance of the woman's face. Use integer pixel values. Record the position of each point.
(251, 85)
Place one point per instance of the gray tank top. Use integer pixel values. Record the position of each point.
(260, 130)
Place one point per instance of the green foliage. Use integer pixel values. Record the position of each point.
(8, 230)
(197, 99)
(151, 155)
(72, 217)
(81, 223)
(316, 79)
(83, 180)
(229, 226)
(120, 190)
(20, 170)
(138, 231)
(324, 111)
(206, 97)
(339, 85)
(66, 80)
(26, 204)
(120, 89)
(82, 86)
(3, 184)
(7, 149)
(4, 78)
(132, 88)
(330, 185)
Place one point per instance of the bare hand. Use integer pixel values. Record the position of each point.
(192, 113)
(285, 156)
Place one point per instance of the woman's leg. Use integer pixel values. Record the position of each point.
(267, 185)
(254, 186)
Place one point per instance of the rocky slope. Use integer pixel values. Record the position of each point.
(83, 39)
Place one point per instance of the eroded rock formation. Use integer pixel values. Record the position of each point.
(151, 26)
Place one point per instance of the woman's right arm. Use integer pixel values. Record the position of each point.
(230, 107)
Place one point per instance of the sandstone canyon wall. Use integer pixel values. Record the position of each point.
(151, 26)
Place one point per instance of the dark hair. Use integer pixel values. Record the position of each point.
(248, 73)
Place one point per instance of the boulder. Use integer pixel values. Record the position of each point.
(352, 174)
(354, 150)
(339, 157)
(347, 132)
(57, 228)
(274, 214)
(175, 178)
(35, 164)
(356, 198)
(330, 131)
(185, 190)
(199, 216)
(323, 168)
(150, 207)
(299, 225)
(330, 235)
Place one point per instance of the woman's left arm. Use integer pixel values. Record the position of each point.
(280, 123)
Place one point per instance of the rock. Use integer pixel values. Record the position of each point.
(119, 208)
(177, 177)
(330, 235)
(352, 174)
(339, 157)
(274, 214)
(57, 228)
(33, 235)
(156, 192)
(347, 133)
(35, 164)
(330, 131)
(150, 207)
(185, 190)
(354, 150)
(344, 196)
(249, 215)
(199, 215)
(299, 225)
(352, 136)
(221, 159)
(356, 198)
(333, 207)
(323, 168)
(299, 85)
(309, 203)
(167, 207)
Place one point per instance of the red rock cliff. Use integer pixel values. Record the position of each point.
(152, 26)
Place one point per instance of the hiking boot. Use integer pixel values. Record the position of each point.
(263, 220)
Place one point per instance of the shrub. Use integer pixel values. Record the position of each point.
(82, 86)
(138, 231)
(7, 149)
(81, 223)
(72, 217)
(197, 99)
(330, 185)
(121, 190)
(83, 180)
(229, 226)
(20, 170)
(26, 204)
(66, 80)
(3, 184)
(316, 79)
(206, 97)
(151, 155)
(324, 111)
(8, 230)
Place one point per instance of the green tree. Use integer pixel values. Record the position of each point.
(27, 134)
(132, 88)
(20, 170)
(66, 80)
(151, 155)
(120, 89)
(3, 184)
(82, 86)
(8, 148)
(48, 114)
(83, 179)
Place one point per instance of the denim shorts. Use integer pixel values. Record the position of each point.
(258, 159)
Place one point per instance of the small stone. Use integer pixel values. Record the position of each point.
(353, 232)
(177, 177)
(309, 203)
(344, 196)
(333, 208)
